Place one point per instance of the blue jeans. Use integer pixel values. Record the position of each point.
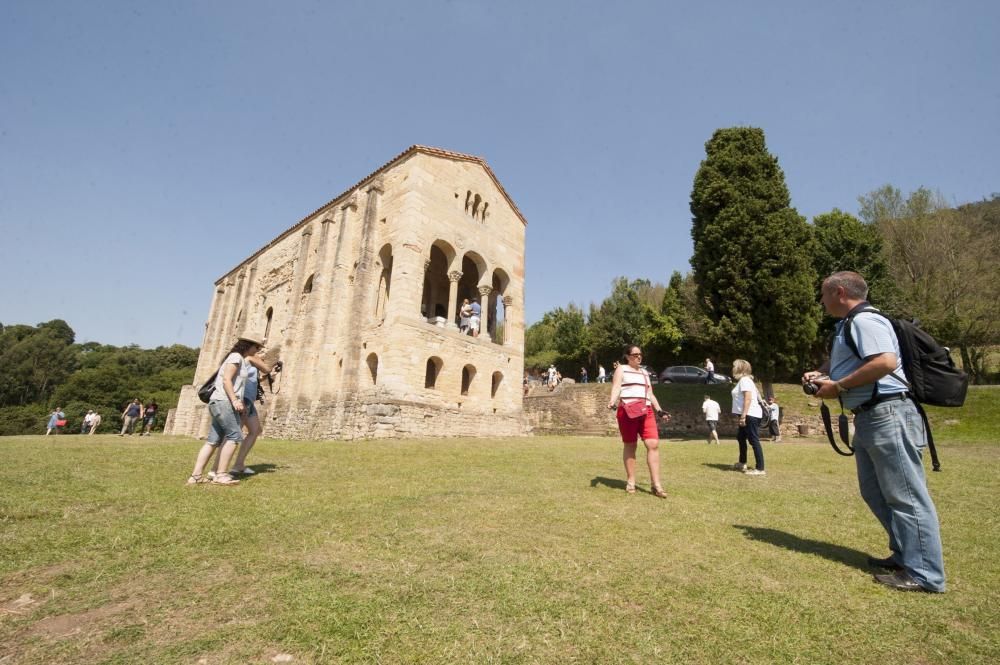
(751, 431)
(226, 424)
(889, 443)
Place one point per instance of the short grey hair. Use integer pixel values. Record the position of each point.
(853, 283)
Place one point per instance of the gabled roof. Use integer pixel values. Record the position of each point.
(412, 150)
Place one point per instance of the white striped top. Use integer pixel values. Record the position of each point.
(634, 383)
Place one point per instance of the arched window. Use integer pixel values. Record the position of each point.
(384, 283)
(497, 379)
(267, 326)
(434, 301)
(468, 374)
(309, 285)
(373, 367)
(433, 371)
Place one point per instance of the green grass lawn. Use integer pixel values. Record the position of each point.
(476, 551)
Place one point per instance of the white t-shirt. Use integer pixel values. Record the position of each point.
(709, 367)
(239, 381)
(775, 411)
(746, 385)
(711, 409)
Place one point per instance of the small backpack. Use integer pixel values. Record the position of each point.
(933, 377)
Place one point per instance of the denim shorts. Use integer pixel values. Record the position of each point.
(226, 424)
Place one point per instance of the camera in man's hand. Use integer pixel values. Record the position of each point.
(811, 388)
(277, 366)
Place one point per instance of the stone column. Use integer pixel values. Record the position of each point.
(508, 324)
(211, 326)
(453, 278)
(337, 311)
(292, 351)
(222, 330)
(248, 320)
(425, 309)
(361, 315)
(484, 304)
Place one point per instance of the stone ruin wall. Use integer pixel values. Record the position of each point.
(347, 285)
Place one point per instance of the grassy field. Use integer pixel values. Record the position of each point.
(476, 551)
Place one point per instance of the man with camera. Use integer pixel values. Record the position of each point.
(889, 436)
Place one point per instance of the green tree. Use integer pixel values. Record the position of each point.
(752, 256)
(34, 360)
(943, 263)
(629, 316)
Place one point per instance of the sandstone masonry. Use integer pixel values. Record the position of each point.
(360, 301)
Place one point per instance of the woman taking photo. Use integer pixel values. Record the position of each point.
(632, 394)
(226, 406)
(747, 408)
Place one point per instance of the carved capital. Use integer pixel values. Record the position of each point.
(454, 276)
(508, 301)
(485, 290)
(306, 232)
(328, 219)
(376, 185)
(350, 204)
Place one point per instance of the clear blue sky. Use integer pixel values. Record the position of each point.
(146, 148)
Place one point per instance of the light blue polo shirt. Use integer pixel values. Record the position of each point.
(873, 335)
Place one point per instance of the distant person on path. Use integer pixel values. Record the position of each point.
(95, 422)
(226, 406)
(889, 436)
(132, 413)
(149, 417)
(57, 416)
(550, 378)
(602, 375)
(747, 408)
(474, 318)
(711, 409)
(583, 375)
(525, 383)
(773, 428)
(637, 409)
(87, 421)
(710, 368)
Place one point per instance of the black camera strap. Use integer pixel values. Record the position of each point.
(843, 426)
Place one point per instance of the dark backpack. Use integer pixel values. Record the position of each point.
(933, 377)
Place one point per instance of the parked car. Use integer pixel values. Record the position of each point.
(690, 374)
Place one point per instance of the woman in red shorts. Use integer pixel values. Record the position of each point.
(632, 394)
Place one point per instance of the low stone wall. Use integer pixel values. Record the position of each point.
(581, 409)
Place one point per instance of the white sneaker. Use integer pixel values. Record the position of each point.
(755, 472)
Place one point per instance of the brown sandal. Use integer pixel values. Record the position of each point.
(224, 479)
(657, 491)
(630, 488)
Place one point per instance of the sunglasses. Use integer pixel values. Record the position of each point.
(635, 355)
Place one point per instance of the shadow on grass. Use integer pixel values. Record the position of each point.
(837, 553)
(613, 483)
(262, 468)
(720, 467)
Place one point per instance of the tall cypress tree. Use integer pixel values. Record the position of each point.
(752, 259)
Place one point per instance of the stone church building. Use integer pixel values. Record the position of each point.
(360, 301)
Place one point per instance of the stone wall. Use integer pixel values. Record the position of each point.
(581, 409)
(348, 299)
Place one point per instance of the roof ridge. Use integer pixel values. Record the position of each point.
(413, 149)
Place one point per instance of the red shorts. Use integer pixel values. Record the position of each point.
(635, 428)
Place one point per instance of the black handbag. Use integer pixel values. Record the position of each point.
(207, 388)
